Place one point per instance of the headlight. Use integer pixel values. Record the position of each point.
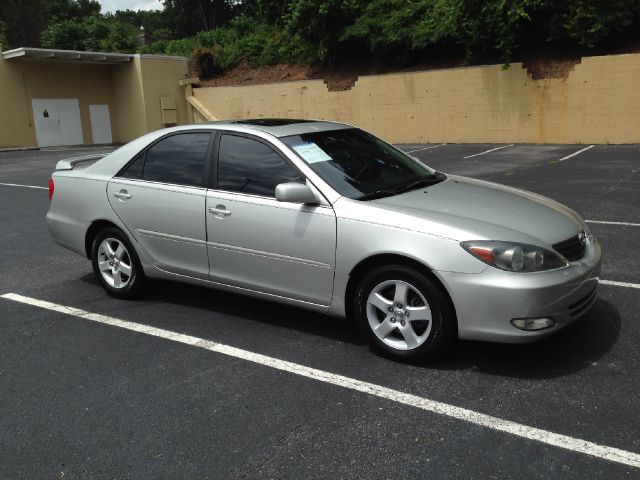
(514, 257)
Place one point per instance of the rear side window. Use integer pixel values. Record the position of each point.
(179, 159)
(134, 169)
(250, 166)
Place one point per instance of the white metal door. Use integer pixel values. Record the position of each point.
(57, 121)
(100, 123)
(45, 116)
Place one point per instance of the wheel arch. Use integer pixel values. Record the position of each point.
(95, 227)
(359, 271)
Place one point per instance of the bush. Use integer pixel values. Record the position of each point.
(490, 26)
(94, 33)
(183, 47)
(4, 43)
(245, 37)
(203, 64)
(309, 31)
(65, 35)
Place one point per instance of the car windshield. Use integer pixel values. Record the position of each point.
(359, 165)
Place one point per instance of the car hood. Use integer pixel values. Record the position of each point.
(462, 209)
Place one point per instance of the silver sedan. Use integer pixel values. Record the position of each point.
(328, 217)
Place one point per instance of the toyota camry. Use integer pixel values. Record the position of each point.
(328, 217)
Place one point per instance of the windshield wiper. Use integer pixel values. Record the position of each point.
(424, 182)
(383, 192)
(387, 192)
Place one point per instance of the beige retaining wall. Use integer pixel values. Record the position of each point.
(599, 102)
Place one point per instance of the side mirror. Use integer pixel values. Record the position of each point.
(295, 193)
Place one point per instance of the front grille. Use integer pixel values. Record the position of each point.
(572, 249)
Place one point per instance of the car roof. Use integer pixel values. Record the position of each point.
(283, 127)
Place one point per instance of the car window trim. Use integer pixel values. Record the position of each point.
(151, 183)
(206, 164)
(263, 197)
(214, 177)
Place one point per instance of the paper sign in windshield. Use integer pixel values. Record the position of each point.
(311, 152)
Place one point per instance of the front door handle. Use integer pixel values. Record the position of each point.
(219, 211)
(122, 195)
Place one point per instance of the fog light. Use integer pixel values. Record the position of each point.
(530, 324)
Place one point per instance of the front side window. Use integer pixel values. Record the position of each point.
(178, 159)
(249, 166)
(359, 165)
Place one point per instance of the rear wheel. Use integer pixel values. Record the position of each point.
(116, 263)
(404, 313)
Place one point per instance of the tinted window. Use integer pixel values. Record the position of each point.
(177, 159)
(249, 166)
(134, 169)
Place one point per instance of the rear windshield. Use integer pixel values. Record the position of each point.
(357, 164)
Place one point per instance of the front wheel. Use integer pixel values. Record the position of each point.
(404, 313)
(116, 264)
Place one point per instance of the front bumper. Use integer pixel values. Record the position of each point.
(486, 302)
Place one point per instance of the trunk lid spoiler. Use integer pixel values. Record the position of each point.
(70, 163)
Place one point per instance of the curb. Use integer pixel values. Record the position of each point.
(18, 149)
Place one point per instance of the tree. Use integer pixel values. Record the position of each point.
(121, 38)
(65, 35)
(72, 9)
(23, 21)
(4, 43)
(191, 16)
(590, 22)
(95, 33)
(320, 23)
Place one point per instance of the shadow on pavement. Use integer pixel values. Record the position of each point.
(574, 348)
(253, 309)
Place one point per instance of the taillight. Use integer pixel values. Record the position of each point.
(51, 188)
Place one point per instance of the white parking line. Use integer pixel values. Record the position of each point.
(602, 222)
(620, 284)
(489, 151)
(524, 431)
(23, 186)
(425, 148)
(575, 153)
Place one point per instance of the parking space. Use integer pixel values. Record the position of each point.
(83, 398)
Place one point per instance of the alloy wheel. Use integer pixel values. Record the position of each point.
(399, 315)
(114, 263)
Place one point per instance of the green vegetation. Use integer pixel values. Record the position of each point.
(324, 31)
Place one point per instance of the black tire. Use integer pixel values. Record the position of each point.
(443, 328)
(135, 280)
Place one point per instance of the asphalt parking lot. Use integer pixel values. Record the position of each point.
(84, 399)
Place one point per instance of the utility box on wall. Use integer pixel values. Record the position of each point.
(169, 113)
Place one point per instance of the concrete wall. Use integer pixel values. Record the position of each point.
(139, 86)
(132, 91)
(160, 79)
(16, 120)
(599, 102)
(129, 118)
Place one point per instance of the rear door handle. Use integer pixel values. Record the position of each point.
(219, 211)
(122, 195)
